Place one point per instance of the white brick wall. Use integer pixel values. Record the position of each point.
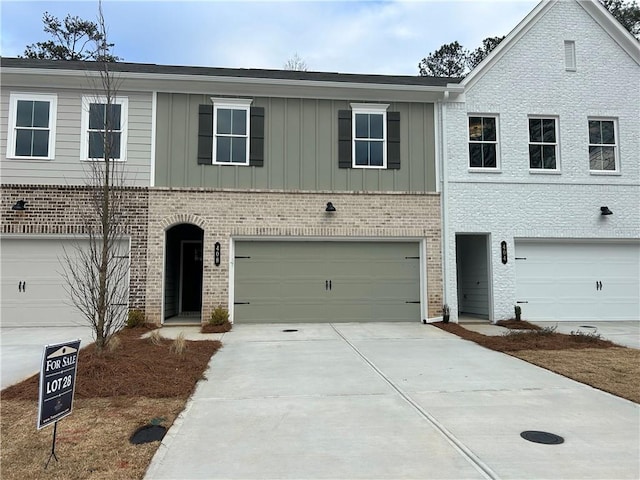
(530, 79)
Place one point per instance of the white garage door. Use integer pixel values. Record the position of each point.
(33, 289)
(578, 281)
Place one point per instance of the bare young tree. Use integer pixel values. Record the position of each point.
(296, 63)
(96, 270)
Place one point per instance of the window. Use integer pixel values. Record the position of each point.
(483, 142)
(104, 128)
(570, 55)
(543, 144)
(369, 135)
(32, 123)
(603, 150)
(231, 131)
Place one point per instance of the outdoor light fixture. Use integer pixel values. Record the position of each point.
(605, 211)
(330, 207)
(20, 205)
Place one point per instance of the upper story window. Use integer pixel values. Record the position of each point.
(483, 142)
(543, 144)
(231, 129)
(603, 149)
(104, 131)
(32, 124)
(369, 135)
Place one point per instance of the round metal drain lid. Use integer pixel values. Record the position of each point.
(289, 330)
(147, 434)
(542, 437)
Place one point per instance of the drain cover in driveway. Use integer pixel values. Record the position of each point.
(542, 437)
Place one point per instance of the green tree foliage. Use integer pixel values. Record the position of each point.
(627, 13)
(450, 60)
(453, 60)
(72, 39)
(488, 44)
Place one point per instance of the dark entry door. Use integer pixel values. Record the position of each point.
(191, 295)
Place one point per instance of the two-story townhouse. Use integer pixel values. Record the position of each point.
(49, 136)
(284, 196)
(542, 182)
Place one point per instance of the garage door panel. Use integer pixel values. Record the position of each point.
(578, 280)
(38, 262)
(326, 281)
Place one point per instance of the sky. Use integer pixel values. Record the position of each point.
(378, 37)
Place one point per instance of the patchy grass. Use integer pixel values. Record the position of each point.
(116, 393)
(586, 358)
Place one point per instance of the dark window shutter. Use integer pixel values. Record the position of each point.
(393, 140)
(344, 139)
(256, 145)
(205, 135)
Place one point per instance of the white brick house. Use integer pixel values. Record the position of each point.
(546, 133)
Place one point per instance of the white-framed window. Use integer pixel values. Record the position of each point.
(543, 143)
(31, 133)
(603, 145)
(570, 55)
(369, 133)
(483, 142)
(104, 128)
(231, 131)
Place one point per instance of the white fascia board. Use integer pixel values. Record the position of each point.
(613, 28)
(252, 86)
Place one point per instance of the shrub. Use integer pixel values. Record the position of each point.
(586, 337)
(114, 343)
(219, 316)
(155, 338)
(179, 345)
(136, 318)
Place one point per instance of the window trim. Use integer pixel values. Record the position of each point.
(556, 121)
(616, 156)
(232, 104)
(497, 168)
(14, 97)
(368, 109)
(87, 100)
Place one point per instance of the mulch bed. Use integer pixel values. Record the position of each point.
(136, 368)
(211, 328)
(541, 339)
(518, 324)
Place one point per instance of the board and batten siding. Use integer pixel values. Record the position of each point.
(301, 149)
(67, 168)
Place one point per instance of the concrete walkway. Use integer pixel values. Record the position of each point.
(389, 401)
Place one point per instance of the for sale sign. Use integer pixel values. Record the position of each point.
(57, 381)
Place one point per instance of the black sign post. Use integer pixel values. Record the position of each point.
(57, 385)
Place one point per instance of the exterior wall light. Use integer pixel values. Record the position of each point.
(20, 205)
(605, 211)
(330, 207)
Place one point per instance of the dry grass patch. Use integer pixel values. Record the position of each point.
(116, 392)
(614, 370)
(586, 358)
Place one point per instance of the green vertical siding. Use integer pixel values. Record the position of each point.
(300, 149)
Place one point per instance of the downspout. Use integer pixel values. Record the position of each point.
(442, 155)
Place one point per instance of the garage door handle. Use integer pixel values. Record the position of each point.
(522, 301)
(22, 286)
(330, 285)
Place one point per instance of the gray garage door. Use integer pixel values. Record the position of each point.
(33, 289)
(326, 282)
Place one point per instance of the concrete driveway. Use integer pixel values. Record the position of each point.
(389, 401)
(21, 348)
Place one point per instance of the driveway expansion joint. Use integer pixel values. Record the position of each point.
(473, 459)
